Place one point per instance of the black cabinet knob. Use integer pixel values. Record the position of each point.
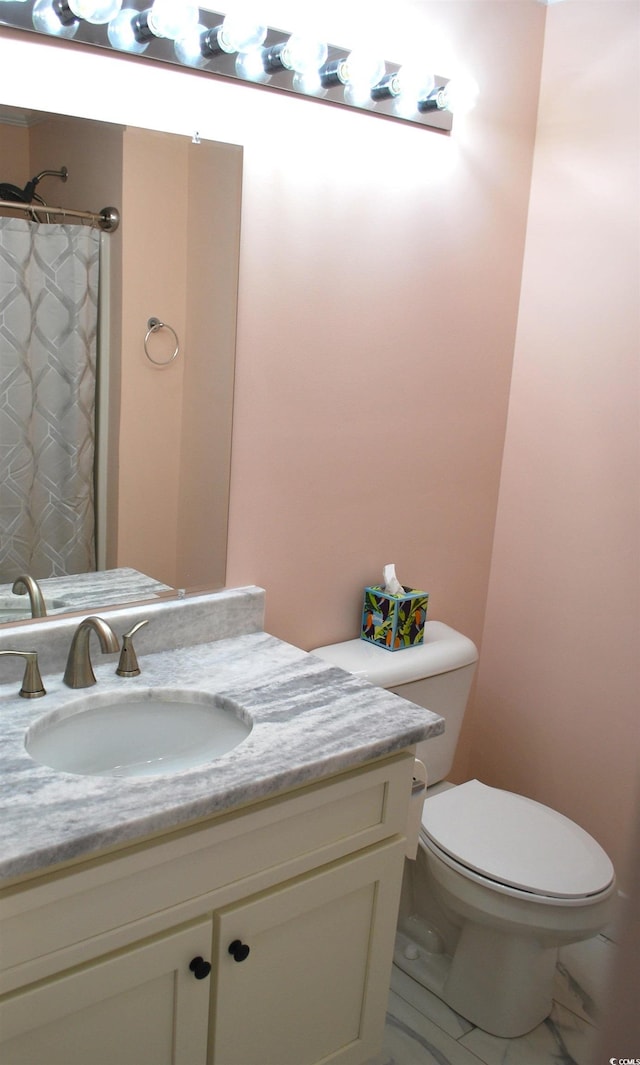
(200, 968)
(239, 950)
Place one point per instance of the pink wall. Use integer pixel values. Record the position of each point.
(559, 674)
(379, 286)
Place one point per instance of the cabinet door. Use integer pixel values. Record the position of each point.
(140, 1007)
(314, 985)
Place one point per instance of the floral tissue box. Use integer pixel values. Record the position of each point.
(394, 621)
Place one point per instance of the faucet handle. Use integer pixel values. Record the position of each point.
(32, 686)
(128, 664)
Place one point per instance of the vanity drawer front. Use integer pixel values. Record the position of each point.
(84, 912)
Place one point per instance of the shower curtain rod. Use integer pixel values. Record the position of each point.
(108, 219)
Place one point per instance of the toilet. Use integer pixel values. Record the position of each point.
(500, 881)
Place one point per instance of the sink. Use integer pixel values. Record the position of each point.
(17, 607)
(137, 735)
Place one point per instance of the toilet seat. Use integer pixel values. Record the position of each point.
(514, 842)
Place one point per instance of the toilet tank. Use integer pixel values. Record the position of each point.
(436, 675)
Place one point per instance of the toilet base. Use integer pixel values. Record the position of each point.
(499, 983)
(428, 970)
(502, 983)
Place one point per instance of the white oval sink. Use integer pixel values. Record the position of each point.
(143, 734)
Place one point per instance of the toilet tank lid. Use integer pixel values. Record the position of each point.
(443, 650)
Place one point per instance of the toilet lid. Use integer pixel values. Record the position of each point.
(516, 841)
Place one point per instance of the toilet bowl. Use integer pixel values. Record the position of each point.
(500, 881)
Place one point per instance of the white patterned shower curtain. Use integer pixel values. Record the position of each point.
(48, 328)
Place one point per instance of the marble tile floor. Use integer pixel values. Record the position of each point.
(422, 1030)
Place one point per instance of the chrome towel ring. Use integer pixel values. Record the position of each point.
(154, 325)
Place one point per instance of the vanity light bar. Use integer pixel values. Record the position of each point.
(264, 57)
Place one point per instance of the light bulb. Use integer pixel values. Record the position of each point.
(250, 66)
(309, 83)
(415, 82)
(172, 18)
(300, 54)
(361, 70)
(239, 34)
(121, 33)
(459, 95)
(188, 49)
(95, 11)
(303, 55)
(359, 73)
(46, 20)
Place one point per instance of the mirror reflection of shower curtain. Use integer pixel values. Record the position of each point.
(48, 328)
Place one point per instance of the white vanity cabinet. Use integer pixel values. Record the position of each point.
(292, 902)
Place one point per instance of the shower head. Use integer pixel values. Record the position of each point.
(28, 193)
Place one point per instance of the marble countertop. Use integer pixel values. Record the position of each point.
(310, 721)
(83, 591)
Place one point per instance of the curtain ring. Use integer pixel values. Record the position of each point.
(154, 324)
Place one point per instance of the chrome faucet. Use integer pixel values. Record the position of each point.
(25, 583)
(32, 686)
(79, 672)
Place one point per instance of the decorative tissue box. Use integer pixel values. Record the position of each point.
(394, 621)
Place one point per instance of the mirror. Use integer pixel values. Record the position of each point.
(164, 431)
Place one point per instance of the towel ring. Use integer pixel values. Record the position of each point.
(154, 325)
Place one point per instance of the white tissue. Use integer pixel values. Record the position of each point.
(392, 585)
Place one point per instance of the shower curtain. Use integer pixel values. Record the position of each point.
(48, 329)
